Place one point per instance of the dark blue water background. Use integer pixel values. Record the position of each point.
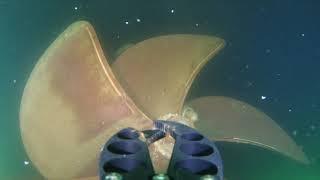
(272, 50)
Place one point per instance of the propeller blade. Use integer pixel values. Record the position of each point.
(72, 104)
(158, 72)
(227, 119)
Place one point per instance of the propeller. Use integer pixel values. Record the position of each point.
(73, 100)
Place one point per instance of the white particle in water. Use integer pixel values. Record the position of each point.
(14, 81)
(268, 51)
(290, 110)
(172, 11)
(312, 127)
(138, 20)
(263, 97)
(75, 8)
(294, 133)
(302, 34)
(127, 22)
(26, 162)
(197, 24)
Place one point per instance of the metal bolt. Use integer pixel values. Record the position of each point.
(160, 177)
(113, 176)
(209, 177)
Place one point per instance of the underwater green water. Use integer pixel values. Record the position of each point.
(272, 51)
